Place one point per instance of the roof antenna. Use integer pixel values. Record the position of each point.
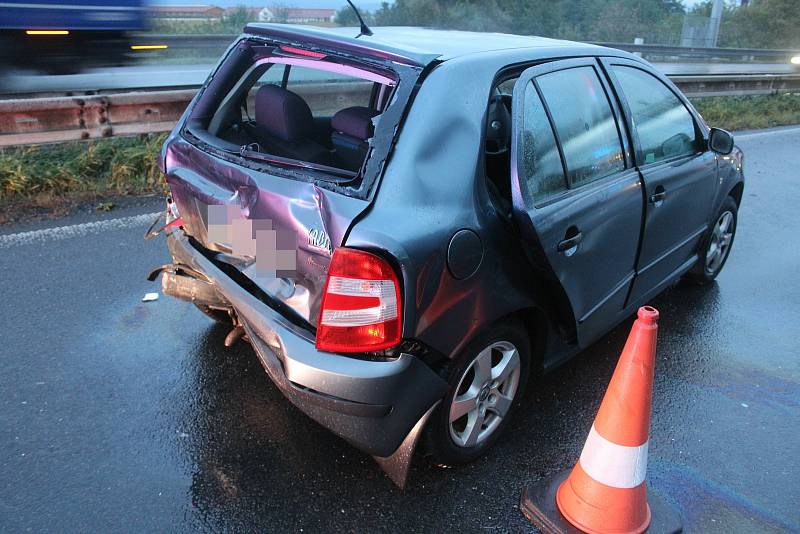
(364, 28)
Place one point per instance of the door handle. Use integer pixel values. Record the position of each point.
(569, 244)
(658, 196)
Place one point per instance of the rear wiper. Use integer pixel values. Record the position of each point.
(340, 175)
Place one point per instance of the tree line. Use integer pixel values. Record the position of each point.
(755, 24)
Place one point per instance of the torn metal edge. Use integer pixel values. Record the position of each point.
(396, 466)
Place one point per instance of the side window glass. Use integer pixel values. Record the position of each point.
(584, 122)
(314, 86)
(272, 76)
(541, 164)
(664, 125)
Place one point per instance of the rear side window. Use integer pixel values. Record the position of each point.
(584, 123)
(541, 162)
(327, 92)
(299, 109)
(665, 127)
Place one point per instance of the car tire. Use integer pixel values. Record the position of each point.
(220, 316)
(717, 244)
(461, 440)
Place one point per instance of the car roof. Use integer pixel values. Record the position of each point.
(412, 44)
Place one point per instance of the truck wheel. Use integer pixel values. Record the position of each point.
(717, 245)
(486, 383)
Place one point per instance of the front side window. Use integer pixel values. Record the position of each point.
(584, 123)
(665, 127)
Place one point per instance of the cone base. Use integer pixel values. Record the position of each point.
(538, 504)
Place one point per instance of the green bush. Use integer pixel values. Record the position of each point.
(743, 112)
(126, 165)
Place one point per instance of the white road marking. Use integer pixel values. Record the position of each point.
(737, 137)
(75, 230)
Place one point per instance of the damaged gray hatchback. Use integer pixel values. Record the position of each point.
(408, 226)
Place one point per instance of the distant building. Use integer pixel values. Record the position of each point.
(199, 12)
(252, 12)
(296, 15)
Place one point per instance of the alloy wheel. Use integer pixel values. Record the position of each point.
(720, 243)
(484, 394)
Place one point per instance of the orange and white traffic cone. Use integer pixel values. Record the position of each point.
(605, 492)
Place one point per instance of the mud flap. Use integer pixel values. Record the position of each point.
(396, 466)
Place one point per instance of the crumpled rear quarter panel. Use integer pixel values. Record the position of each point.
(318, 217)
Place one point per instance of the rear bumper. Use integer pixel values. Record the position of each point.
(371, 404)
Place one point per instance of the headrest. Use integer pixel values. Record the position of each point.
(282, 113)
(355, 122)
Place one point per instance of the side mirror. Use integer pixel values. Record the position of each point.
(720, 141)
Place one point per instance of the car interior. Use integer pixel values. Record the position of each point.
(497, 144)
(269, 112)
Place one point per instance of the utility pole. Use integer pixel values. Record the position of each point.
(713, 23)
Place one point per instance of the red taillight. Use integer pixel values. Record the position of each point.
(361, 306)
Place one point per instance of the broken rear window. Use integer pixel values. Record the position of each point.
(293, 107)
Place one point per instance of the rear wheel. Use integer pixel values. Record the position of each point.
(486, 382)
(718, 243)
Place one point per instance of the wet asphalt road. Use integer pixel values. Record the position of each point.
(123, 416)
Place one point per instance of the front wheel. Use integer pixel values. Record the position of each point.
(486, 382)
(718, 243)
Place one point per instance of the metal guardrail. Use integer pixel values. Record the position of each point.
(49, 120)
(737, 84)
(214, 44)
(743, 54)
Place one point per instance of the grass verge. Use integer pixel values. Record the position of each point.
(746, 112)
(50, 180)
